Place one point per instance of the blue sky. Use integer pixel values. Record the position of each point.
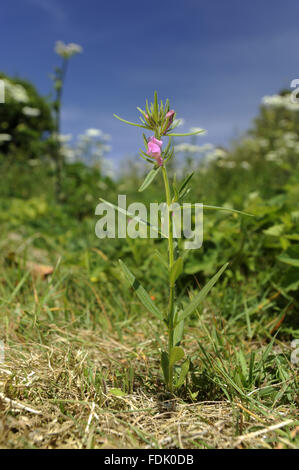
(214, 60)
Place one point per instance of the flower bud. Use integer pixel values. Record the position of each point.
(169, 119)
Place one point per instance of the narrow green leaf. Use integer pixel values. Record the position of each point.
(147, 159)
(203, 293)
(144, 140)
(149, 178)
(251, 367)
(161, 109)
(167, 148)
(175, 189)
(140, 291)
(185, 182)
(243, 363)
(165, 365)
(117, 392)
(184, 193)
(287, 260)
(176, 355)
(187, 134)
(156, 106)
(167, 106)
(226, 209)
(17, 288)
(183, 373)
(147, 108)
(170, 154)
(129, 122)
(178, 332)
(176, 270)
(141, 111)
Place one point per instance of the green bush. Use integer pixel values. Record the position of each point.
(25, 119)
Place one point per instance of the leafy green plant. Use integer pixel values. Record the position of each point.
(25, 120)
(160, 119)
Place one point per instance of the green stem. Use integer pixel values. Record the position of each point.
(171, 286)
(59, 157)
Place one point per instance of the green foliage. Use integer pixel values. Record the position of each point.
(256, 295)
(25, 117)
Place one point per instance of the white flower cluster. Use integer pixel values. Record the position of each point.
(284, 145)
(67, 50)
(93, 132)
(279, 101)
(245, 165)
(216, 153)
(4, 138)
(221, 158)
(90, 147)
(30, 112)
(185, 147)
(226, 164)
(15, 92)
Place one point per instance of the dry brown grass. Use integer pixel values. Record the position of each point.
(58, 395)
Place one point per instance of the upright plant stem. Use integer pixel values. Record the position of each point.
(171, 286)
(59, 157)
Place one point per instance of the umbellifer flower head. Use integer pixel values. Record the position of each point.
(67, 50)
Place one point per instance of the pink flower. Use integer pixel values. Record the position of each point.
(154, 149)
(169, 117)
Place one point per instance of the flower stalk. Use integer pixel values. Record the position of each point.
(65, 51)
(160, 121)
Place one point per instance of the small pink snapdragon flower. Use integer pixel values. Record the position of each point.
(154, 149)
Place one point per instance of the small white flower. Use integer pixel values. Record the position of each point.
(272, 157)
(215, 154)
(93, 132)
(280, 102)
(5, 138)
(225, 164)
(263, 142)
(30, 112)
(16, 92)
(69, 154)
(187, 148)
(67, 50)
(64, 138)
(253, 195)
(245, 165)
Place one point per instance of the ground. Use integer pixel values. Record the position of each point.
(68, 383)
